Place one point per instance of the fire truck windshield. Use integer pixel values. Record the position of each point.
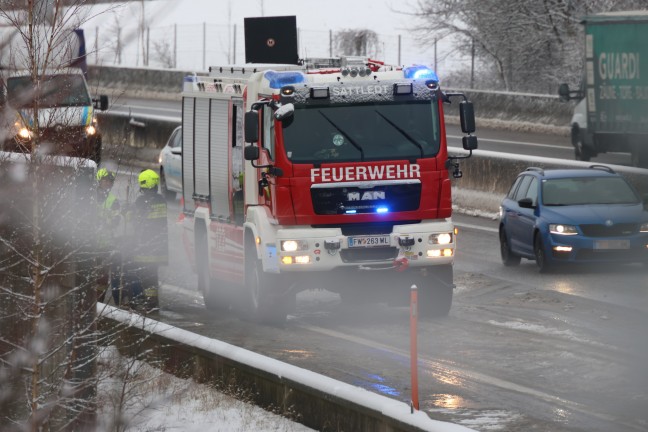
(362, 132)
(54, 91)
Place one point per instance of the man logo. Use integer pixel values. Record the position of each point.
(366, 196)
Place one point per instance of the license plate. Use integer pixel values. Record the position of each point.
(612, 244)
(369, 241)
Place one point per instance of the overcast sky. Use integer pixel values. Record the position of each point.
(198, 29)
(376, 15)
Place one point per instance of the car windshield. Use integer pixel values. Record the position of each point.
(372, 131)
(53, 91)
(587, 190)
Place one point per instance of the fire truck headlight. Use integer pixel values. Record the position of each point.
(293, 245)
(24, 133)
(302, 259)
(437, 253)
(91, 130)
(442, 238)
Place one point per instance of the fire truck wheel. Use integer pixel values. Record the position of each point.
(212, 294)
(435, 292)
(262, 302)
(210, 288)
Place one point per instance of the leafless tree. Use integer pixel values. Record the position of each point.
(47, 290)
(358, 42)
(524, 45)
(163, 53)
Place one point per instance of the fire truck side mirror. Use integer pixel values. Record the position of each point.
(251, 153)
(467, 117)
(469, 142)
(252, 127)
(284, 112)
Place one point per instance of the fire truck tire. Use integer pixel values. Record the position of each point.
(212, 292)
(262, 301)
(435, 292)
(210, 288)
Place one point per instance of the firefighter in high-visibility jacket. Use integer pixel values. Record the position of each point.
(148, 219)
(109, 217)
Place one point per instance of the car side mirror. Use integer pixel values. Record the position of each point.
(526, 203)
(563, 92)
(176, 150)
(101, 103)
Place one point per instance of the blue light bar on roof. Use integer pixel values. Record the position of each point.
(280, 79)
(420, 72)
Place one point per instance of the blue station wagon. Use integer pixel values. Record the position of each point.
(588, 215)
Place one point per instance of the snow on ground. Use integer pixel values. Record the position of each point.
(152, 400)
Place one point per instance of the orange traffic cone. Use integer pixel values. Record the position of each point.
(182, 215)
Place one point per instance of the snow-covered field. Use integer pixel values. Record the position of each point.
(138, 397)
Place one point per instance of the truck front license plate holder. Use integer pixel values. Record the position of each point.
(369, 241)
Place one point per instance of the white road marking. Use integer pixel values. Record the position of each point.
(476, 227)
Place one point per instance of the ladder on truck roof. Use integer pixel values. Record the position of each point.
(246, 70)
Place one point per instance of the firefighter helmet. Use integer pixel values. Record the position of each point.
(104, 174)
(148, 179)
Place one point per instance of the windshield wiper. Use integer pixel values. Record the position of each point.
(402, 132)
(346, 135)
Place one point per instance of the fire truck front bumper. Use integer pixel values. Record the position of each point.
(306, 249)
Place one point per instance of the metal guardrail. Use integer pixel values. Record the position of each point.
(316, 401)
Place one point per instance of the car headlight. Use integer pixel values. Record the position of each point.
(563, 229)
(644, 227)
(441, 238)
(24, 133)
(91, 130)
(293, 245)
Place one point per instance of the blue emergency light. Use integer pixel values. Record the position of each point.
(281, 79)
(420, 72)
(382, 210)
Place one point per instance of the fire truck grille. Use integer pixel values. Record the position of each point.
(388, 198)
(368, 254)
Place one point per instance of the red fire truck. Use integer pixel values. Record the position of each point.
(344, 184)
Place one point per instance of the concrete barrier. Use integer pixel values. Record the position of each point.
(314, 400)
(134, 140)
